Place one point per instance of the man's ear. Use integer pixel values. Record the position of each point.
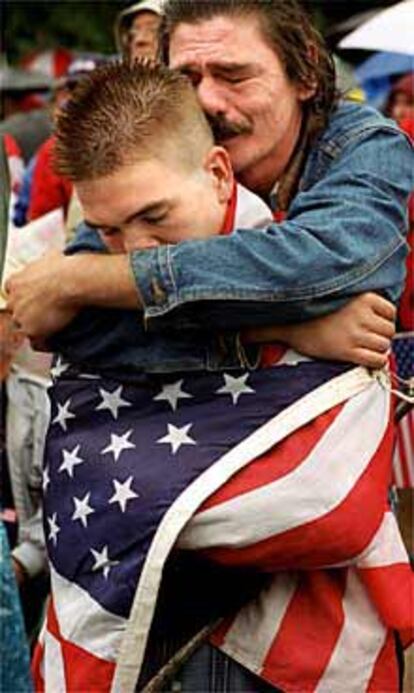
(217, 165)
(306, 90)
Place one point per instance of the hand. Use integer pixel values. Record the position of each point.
(36, 296)
(11, 337)
(360, 332)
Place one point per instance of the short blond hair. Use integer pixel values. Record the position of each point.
(124, 113)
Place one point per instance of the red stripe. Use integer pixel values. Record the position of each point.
(336, 536)
(36, 668)
(385, 673)
(85, 672)
(52, 622)
(230, 217)
(391, 588)
(278, 462)
(308, 633)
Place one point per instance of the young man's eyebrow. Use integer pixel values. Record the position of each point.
(147, 209)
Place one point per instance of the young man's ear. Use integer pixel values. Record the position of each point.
(217, 164)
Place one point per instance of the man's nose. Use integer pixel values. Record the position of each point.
(210, 96)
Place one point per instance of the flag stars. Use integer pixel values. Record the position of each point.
(63, 415)
(176, 437)
(172, 393)
(54, 528)
(45, 479)
(123, 493)
(118, 444)
(82, 509)
(58, 368)
(112, 401)
(102, 561)
(235, 387)
(70, 461)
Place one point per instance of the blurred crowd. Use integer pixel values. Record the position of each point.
(31, 99)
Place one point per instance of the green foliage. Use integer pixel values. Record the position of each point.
(85, 25)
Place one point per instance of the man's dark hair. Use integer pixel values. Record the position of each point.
(288, 30)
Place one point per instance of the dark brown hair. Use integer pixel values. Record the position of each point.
(124, 113)
(287, 29)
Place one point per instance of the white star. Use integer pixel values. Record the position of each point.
(112, 401)
(46, 479)
(70, 460)
(172, 393)
(123, 493)
(235, 387)
(177, 437)
(54, 528)
(82, 509)
(59, 368)
(63, 414)
(118, 444)
(102, 561)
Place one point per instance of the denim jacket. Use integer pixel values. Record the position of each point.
(343, 235)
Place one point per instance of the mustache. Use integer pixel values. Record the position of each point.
(223, 129)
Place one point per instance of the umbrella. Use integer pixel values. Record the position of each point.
(390, 30)
(376, 74)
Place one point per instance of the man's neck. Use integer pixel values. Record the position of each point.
(262, 177)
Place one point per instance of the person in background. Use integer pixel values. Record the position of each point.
(400, 107)
(28, 127)
(137, 30)
(14, 665)
(49, 189)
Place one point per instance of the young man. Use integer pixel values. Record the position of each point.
(109, 513)
(342, 174)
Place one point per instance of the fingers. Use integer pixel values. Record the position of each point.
(380, 326)
(381, 306)
(374, 342)
(370, 359)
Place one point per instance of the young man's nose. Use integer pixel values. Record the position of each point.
(138, 242)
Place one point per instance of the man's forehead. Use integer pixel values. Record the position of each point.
(222, 38)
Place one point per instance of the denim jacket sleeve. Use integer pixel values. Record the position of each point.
(344, 235)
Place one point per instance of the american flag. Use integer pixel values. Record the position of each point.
(403, 462)
(256, 469)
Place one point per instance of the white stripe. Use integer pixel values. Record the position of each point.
(83, 621)
(253, 631)
(292, 358)
(300, 413)
(307, 493)
(54, 677)
(387, 546)
(359, 644)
